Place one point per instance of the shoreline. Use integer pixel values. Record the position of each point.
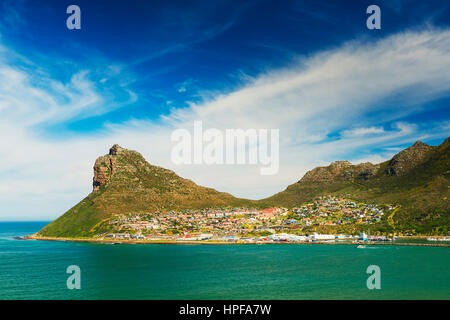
(112, 241)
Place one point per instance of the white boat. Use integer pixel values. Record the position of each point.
(360, 247)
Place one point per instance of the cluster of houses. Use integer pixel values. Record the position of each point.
(219, 221)
(242, 224)
(332, 210)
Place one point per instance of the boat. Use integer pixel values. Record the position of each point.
(360, 247)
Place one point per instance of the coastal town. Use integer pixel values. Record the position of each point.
(247, 224)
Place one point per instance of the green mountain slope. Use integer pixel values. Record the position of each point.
(124, 182)
(417, 179)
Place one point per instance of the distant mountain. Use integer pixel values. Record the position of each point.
(416, 179)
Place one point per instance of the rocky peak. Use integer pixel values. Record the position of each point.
(118, 161)
(419, 144)
(337, 165)
(407, 159)
(116, 150)
(340, 171)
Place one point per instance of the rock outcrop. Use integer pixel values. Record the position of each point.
(400, 164)
(116, 150)
(341, 171)
(408, 159)
(106, 166)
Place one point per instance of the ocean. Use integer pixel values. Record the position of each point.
(31, 269)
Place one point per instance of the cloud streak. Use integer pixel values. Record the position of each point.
(341, 103)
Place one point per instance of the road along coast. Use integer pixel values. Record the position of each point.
(212, 242)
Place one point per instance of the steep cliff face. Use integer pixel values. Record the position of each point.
(408, 159)
(104, 168)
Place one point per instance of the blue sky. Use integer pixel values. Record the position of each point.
(139, 69)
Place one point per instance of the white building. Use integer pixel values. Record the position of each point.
(316, 236)
(287, 237)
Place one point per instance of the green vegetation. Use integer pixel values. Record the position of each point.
(125, 183)
(134, 186)
(421, 193)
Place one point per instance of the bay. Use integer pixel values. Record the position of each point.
(31, 269)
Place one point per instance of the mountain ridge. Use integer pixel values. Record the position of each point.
(417, 178)
(420, 188)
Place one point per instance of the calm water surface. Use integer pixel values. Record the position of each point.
(37, 270)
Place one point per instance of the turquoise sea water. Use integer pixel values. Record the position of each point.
(32, 269)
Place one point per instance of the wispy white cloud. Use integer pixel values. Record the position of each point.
(324, 107)
(363, 131)
(185, 85)
(328, 93)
